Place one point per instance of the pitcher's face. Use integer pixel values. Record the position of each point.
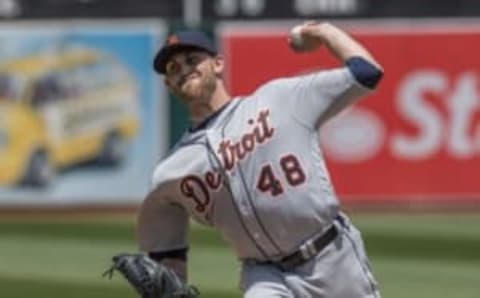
(192, 75)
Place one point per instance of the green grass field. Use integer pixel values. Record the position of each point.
(417, 255)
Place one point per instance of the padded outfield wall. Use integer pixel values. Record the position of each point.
(415, 140)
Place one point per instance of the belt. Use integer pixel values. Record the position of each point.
(307, 251)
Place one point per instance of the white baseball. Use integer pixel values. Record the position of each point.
(296, 39)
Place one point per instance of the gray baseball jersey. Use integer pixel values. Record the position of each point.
(254, 171)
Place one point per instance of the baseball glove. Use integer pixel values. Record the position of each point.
(149, 278)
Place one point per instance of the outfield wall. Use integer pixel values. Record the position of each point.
(416, 140)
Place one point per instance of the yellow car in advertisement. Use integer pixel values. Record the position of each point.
(60, 109)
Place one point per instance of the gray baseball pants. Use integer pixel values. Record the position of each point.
(340, 270)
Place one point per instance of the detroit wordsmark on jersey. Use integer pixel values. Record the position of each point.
(255, 171)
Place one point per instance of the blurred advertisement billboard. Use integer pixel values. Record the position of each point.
(82, 118)
(415, 139)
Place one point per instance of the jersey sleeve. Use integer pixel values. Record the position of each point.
(316, 97)
(162, 225)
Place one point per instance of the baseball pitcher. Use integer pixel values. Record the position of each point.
(251, 167)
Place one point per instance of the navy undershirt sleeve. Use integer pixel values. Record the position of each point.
(180, 254)
(364, 72)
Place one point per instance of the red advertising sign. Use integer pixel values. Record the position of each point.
(417, 138)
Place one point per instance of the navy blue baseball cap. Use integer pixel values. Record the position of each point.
(182, 40)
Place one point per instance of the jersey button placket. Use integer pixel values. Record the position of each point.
(244, 209)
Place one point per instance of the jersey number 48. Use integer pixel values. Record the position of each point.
(292, 171)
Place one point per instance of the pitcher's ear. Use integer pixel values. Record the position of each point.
(219, 64)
